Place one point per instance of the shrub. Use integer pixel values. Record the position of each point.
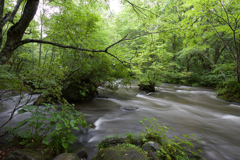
(49, 126)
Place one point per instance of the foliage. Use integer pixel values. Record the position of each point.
(171, 148)
(125, 145)
(229, 90)
(190, 42)
(49, 126)
(175, 148)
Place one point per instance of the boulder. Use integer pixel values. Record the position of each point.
(120, 153)
(109, 142)
(25, 154)
(138, 143)
(81, 153)
(149, 88)
(151, 146)
(67, 156)
(79, 90)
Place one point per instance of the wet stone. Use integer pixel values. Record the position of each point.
(120, 153)
(67, 156)
(81, 153)
(151, 146)
(129, 108)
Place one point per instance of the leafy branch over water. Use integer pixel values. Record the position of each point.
(49, 126)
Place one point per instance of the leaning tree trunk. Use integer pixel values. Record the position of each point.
(16, 32)
(1, 18)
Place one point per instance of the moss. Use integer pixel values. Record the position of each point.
(27, 154)
(120, 153)
(33, 149)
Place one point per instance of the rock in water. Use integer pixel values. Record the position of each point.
(79, 90)
(129, 108)
(81, 153)
(67, 156)
(149, 88)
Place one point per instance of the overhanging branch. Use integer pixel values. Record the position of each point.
(72, 47)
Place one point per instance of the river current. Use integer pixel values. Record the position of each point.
(189, 110)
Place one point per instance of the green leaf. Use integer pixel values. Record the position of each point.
(52, 124)
(59, 126)
(65, 145)
(72, 123)
(21, 111)
(76, 128)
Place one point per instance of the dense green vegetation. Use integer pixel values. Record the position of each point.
(70, 48)
(186, 42)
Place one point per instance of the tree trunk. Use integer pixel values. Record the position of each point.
(238, 68)
(1, 19)
(16, 32)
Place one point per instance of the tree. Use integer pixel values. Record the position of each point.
(16, 32)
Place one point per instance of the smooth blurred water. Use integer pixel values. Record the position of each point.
(190, 110)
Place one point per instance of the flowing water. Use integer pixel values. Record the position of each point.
(190, 110)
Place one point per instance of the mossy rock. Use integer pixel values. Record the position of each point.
(13, 142)
(26, 154)
(120, 153)
(67, 156)
(113, 141)
(81, 153)
(79, 90)
(149, 88)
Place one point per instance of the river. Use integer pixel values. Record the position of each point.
(190, 110)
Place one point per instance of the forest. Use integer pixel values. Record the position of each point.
(66, 49)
